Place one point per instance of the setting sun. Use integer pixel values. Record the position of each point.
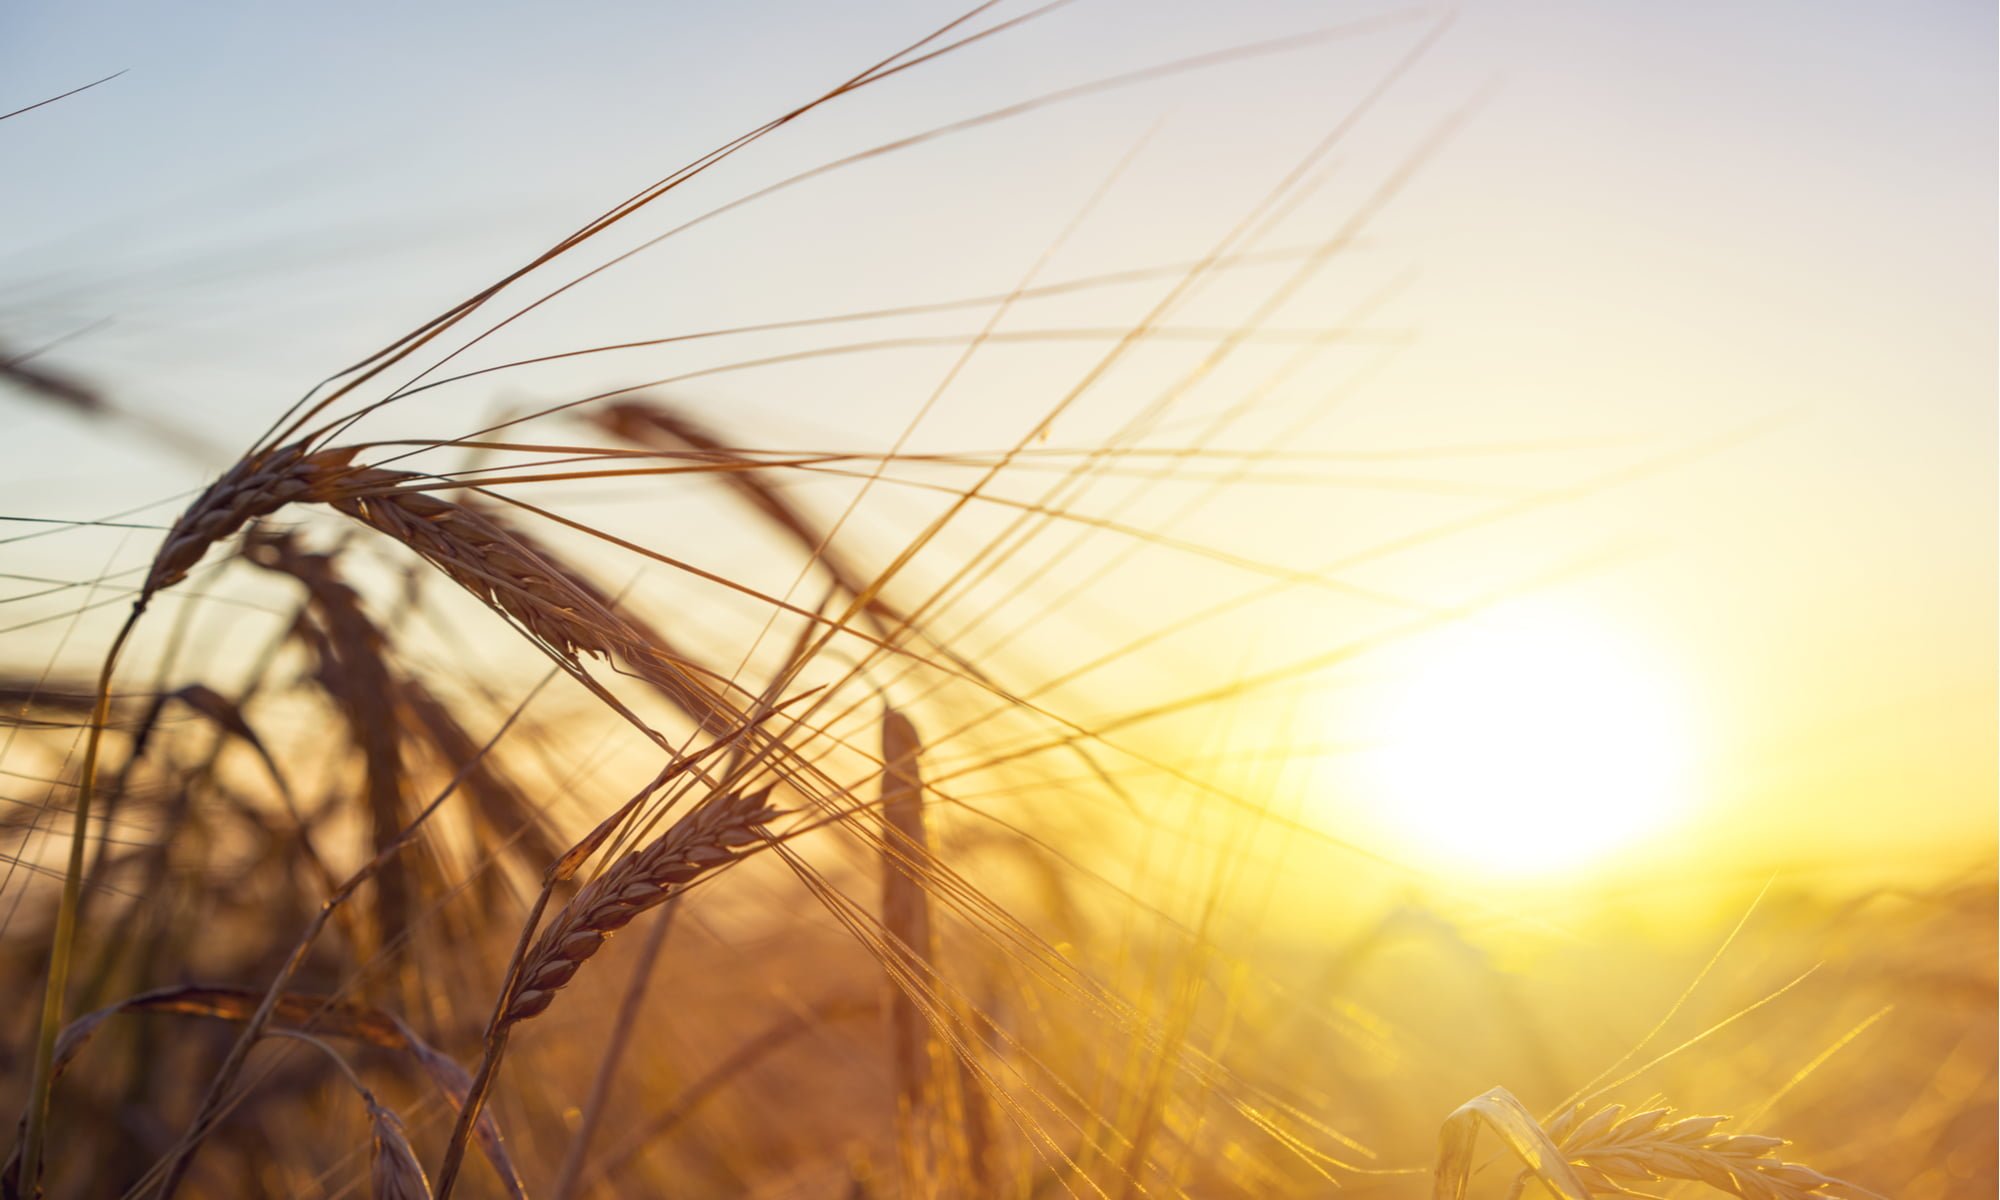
(1528, 739)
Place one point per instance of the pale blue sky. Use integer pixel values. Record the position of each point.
(1666, 219)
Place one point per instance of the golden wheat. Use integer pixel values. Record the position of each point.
(704, 839)
(257, 486)
(484, 558)
(1610, 1149)
(1213, 1099)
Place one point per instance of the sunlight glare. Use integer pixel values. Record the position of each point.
(1528, 739)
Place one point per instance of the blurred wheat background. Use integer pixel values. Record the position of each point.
(1086, 599)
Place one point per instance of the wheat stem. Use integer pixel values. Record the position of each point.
(497, 1027)
(614, 1054)
(63, 946)
(211, 1103)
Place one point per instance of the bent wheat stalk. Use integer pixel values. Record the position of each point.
(181, 1155)
(393, 1170)
(1499, 1111)
(705, 838)
(301, 1016)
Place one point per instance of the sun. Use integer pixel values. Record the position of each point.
(1528, 739)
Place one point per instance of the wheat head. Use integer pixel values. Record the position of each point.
(257, 486)
(482, 556)
(393, 1170)
(1610, 1150)
(705, 838)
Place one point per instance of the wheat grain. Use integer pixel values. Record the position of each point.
(511, 573)
(704, 839)
(1609, 1149)
(482, 556)
(258, 485)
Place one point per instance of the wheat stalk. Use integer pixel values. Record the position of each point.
(393, 1170)
(1609, 1149)
(259, 484)
(703, 839)
(906, 917)
(351, 651)
(302, 1017)
(352, 667)
(906, 911)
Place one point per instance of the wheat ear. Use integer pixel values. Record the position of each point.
(393, 1170)
(257, 486)
(906, 916)
(1609, 1150)
(703, 839)
(483, 557)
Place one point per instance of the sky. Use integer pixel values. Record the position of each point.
(1763, 229)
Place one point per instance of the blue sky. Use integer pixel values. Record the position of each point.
(1665, 220)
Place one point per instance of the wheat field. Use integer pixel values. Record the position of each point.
(1027, 600)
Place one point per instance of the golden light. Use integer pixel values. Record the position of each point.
(1528, 739)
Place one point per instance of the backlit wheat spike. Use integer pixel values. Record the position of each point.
(906, 916)
(257, 486)
(651, 653)
(645, 423)
(511, 573)
(700, 841)
(1609, 1150)
(483, 557)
